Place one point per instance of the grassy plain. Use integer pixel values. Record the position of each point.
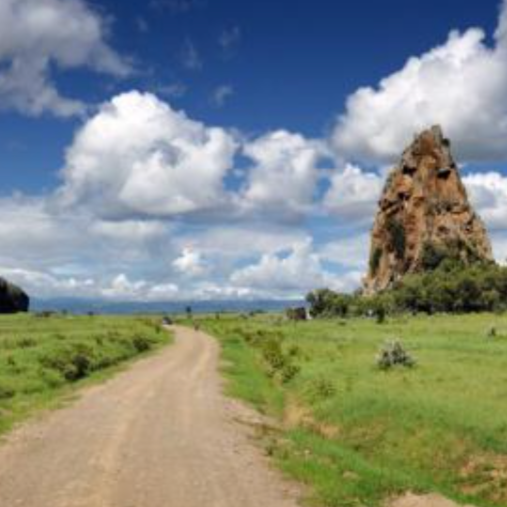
(43, 359)
(357, 434)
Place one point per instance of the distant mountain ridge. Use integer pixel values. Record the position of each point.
(83, 306)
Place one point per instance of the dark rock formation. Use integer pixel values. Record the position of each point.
(12, 298)
(424, 216)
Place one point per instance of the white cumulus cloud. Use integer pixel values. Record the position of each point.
(351, 252)
(137, 157)
(291, 272)
(461, 84)
(37, 36)
(190, 263)
(488, 193)
(353, 194)
(121, 288)
(285, 173)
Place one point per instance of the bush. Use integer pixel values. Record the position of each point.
(320, 301)
(26, 343)
(72, 362)
(279, 363)
(141, 343)
(6, 391)
(491, 332)
(326, 303)
(393, 354)
(381, 315)
(454, 288)
(322, 388)
(273, 354)
(294, 351)
(78, 366)
(289, 372)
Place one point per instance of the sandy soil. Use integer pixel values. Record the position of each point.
(158, 435)
(432, 500)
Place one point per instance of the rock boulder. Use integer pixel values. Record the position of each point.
(424, 216)
(12, 298)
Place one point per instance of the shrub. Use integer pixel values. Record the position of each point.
(26, 343)
(141, 343)
(326, 303)
(78, 366)
(278, 362)
(381, 314)
(6, 391)
(320, 301)
(322, 388)
(273, 354)
(294, 351)
(393, 354)
(491, 332)
(454, 287)
(288, 372)
(73, 362)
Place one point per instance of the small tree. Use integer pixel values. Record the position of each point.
(394, 354)
(320, 301)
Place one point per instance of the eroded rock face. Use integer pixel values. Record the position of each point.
(12, 298)
(424, 215)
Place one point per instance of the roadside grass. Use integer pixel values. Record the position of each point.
(358, 435)
(44, 359)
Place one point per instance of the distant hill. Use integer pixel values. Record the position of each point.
(12, 298)
(81, 306)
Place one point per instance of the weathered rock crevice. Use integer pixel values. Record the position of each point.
(424, 214)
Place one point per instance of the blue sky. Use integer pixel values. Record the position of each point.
(176, 149)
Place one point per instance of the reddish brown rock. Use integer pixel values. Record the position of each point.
(424, 215)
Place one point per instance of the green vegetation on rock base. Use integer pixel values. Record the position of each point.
(452, 287)
(43, 357)
(357, 434)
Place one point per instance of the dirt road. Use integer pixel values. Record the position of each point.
(158, 435)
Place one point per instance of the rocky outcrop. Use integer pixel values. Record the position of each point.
(424, 216)
(12, 298)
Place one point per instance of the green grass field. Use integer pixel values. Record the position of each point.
(43, 359)
(358, 435)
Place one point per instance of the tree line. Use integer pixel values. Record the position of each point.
(451, 287)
